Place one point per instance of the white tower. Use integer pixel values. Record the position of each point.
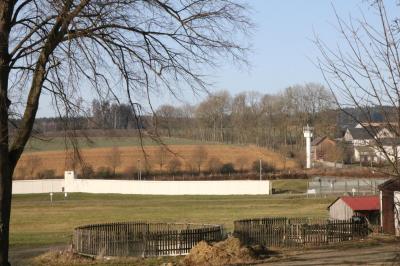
(308, 133)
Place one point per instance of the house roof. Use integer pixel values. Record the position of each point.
(360, 203)
(390, 185)
(361, 133)
(318, 140)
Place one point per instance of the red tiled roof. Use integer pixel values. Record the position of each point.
(364, 203)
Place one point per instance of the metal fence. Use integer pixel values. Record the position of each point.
(141, 238)
(329, 185)
(297, 232)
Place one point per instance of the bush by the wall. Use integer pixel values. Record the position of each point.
(104, 172)
(266, 167)
(227, 168)
(47, 174)
(87, 171)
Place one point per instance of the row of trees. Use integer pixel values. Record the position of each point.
(271, 120)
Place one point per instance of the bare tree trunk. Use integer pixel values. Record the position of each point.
(5, 168)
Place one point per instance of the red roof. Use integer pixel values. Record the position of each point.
(362, 203)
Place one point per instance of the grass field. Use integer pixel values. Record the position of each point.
(35, 221)
(290, 185)
(129, 153)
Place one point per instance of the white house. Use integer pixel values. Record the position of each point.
(372, 143)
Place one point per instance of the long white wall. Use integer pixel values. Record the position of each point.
(37, 186)
(70, 184)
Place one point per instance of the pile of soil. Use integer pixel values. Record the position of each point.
(61, 257)
(228, 252)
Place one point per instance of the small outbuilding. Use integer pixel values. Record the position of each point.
(390, 206)
(345, 207)
(321, 147)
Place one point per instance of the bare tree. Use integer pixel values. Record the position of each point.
(127, 48)
(364, 76)
(211, 114)
(214, 165)
(363, 73)
(174, 165)
(32, 163)
(241, 162)
(166, 114)
(161, 156)
(199, 156)
(114, 158)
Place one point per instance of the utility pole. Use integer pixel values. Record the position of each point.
(139, 174)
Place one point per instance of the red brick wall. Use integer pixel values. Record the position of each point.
(388, 212)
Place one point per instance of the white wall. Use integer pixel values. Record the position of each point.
(171, 187)
(229, 187)
(397, 212)
(340, 211)
(37, 186)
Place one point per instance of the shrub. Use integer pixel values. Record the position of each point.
(104, 172)
(266, 167)
(227, 168)
(214, 165)
(87, 171)
(47, 174)
(174, 165)
(131, 171)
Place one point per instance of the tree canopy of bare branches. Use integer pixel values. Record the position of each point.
(363, 72)
(74, 49)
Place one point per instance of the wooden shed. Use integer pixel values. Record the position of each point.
(321, 147)
(390, 206)
(345, 207)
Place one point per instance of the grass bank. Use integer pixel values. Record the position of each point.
(35, 221)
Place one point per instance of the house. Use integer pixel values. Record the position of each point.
(321, 148)
(373, 143)
(345, 207)
(390, 206)
(365, 135)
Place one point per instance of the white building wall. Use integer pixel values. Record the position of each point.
(340, 211)
(397, 212)
(70, 184)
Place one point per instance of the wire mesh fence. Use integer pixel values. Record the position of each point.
(356, 186)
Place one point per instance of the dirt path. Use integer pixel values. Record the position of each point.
(384, 254)
(348, 254)
(21, 256)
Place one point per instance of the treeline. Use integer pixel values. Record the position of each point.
(271, 120)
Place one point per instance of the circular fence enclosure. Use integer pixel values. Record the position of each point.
(142, 238)
(297, 232)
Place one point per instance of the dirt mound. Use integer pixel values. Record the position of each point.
(61, 257)
(228, 252)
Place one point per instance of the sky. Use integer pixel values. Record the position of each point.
(282, 51)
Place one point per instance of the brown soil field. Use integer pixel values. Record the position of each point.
(242, 157)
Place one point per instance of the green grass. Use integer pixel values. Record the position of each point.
(58, 143)
(290, 185)
(36, 221)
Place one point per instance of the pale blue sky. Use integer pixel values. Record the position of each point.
(282, 47)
